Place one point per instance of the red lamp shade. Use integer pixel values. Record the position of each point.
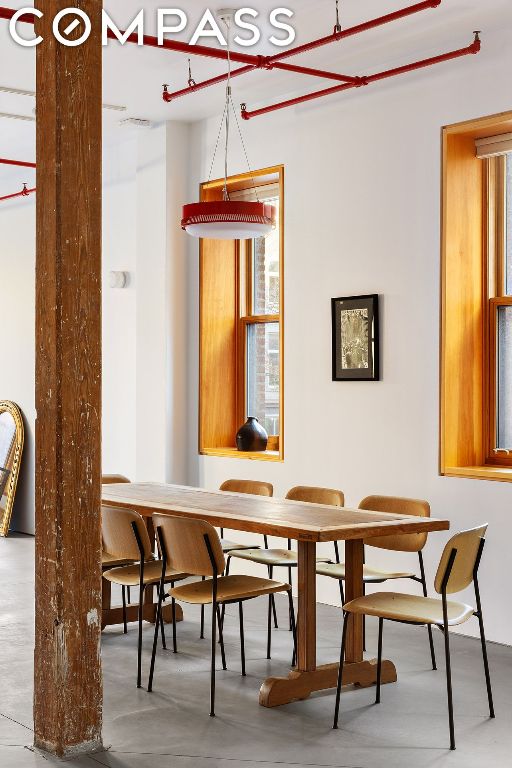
(228, 219)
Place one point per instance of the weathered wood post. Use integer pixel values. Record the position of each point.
(68, 681)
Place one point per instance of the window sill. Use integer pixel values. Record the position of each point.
(501, 474)
(233, 453)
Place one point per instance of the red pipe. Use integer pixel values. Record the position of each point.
(19, 163)
(168, 97)
(355, 30)
(471, 49)
(24, 193)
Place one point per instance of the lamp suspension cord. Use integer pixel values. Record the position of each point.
(337, 26)
(225, 192)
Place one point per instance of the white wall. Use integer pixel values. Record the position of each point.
(17, 318)
(362, 202)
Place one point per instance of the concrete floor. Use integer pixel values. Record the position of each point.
(171, 727)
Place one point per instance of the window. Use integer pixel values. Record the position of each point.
(499, 310)
(241, 332)
(260, 326)
(476, 301)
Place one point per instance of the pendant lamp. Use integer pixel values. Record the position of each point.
(228, 219)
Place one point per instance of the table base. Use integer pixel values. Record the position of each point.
(276, 691)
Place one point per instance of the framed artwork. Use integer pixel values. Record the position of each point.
(355, 338)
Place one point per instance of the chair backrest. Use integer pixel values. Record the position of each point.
(467, 546)
(315, 495)
(186, 547)
(256, 487)
(109, 479)
(118, 535)
(395, 505)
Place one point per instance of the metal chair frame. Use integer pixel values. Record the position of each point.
(216, 620)
(444, 627)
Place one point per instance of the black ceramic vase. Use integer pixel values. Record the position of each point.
(252, 436)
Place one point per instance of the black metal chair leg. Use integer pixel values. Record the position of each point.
(174, 639)
(242, 639)
(446, 634)
(201, 636)
(162, 627)
(379, 662)
(269, 626)
(129, 595)
(214, 649)
(272, 599)
(486, 664)
(429, 627)
(226, 573)
(155, 641)
(342, 593)
(125, 625)
(221, 639)
(294, 630)
(290, 583)
(340, 671)
(139, 645)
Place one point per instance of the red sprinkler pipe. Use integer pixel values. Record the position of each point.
(168, 97)
(341, 35)
(24, 193)
(471, 49)
(19, 163)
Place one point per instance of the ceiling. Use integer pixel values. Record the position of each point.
(133, 76)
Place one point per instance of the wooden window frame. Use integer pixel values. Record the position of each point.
(217, 440)
(472, 276)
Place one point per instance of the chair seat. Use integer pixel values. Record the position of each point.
(370, 575)
(109, 561)
(230, 546)
(228, 588)
(273, 557)
(400, 607)
(129, 575)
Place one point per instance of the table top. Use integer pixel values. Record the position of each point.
(260, 514)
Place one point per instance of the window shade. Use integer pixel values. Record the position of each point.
(494, 145)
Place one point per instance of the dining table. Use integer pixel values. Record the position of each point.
(308, 524)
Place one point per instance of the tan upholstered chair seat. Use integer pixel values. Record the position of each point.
(129, 575)
(370, 575)
(109, 561)
(398, 607)
(231, 546)
(273, 557)
(229, 588)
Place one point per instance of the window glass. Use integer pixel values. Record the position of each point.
(504, 415)
(508, 229)
(265, 267)
(263, 373)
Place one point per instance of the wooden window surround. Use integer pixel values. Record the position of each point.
(225, 307)
(472, 290)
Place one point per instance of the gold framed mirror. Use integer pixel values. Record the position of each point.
(11, 449)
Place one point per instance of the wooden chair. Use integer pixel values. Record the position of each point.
(107, 561)
(458, 568)
(194, 546)
(404, 542)
(125, 538)
(256, 488)
(287, 558)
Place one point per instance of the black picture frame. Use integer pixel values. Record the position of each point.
(355, 319)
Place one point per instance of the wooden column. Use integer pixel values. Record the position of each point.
(68, 682)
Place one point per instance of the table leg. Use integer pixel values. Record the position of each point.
(307, 677)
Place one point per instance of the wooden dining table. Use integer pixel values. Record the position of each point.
(308, 524)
